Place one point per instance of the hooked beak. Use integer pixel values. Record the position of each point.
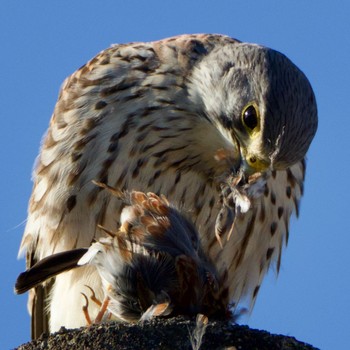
(251, 164)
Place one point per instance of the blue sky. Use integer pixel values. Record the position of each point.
(43, 42)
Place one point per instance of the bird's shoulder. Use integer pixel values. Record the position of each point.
(134, 60)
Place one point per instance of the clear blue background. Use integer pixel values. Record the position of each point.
(42, 42)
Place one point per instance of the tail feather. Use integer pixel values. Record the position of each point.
(47, 268)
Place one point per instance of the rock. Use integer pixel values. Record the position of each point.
(164, 334)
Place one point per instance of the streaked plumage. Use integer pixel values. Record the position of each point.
(198, 118)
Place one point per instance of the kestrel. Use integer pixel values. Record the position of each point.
(218, 126)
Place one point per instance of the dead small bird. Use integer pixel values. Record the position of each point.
(152, 265)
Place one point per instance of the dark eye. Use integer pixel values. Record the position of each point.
(250, 118)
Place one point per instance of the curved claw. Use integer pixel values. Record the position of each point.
(86, 310)
(93, 296)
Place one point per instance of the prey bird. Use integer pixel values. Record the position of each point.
(153, 265)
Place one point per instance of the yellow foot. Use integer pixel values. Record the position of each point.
(102, 311)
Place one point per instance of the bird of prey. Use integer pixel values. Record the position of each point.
(218, 126)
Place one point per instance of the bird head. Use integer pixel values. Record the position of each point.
(260, 102)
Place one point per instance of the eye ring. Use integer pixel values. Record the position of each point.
(251, 118)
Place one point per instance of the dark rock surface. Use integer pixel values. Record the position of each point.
(164, 334)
